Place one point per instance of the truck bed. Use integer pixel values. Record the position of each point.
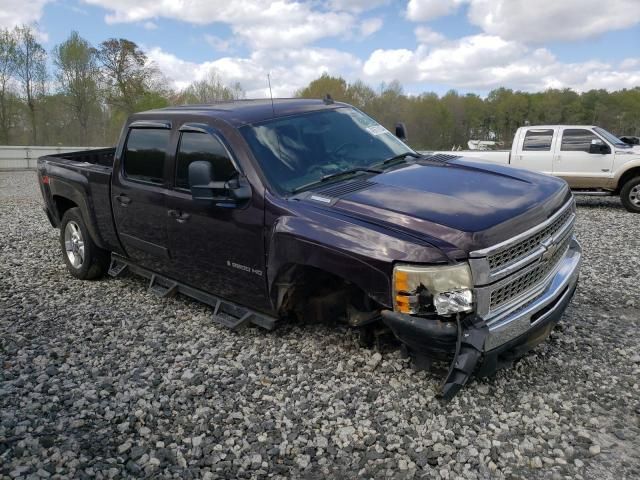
(84, 178)
(100, 156)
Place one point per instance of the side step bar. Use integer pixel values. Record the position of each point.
(116, 268)
(157, 287)
(225, 313)
(592, 193)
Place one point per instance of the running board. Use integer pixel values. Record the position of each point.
(592, 193)
(227, 314)
(116, 268)
(162, 291)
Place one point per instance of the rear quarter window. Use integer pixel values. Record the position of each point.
(537, 140)
(145, 154)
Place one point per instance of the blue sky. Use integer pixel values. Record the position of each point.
(428, 45)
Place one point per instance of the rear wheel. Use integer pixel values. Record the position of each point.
(84, 259)
(630, 195)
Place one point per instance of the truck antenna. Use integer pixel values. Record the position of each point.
(273, 109)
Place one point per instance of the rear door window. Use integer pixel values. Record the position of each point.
(537, 141)
(202, 146)
(145, 154)
(577, 140)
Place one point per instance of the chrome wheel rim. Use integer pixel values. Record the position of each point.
(74, 244)
(634, 195)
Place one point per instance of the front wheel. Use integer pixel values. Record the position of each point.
(630, 195)
(84, 259)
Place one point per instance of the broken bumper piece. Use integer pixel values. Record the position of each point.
(484, 346)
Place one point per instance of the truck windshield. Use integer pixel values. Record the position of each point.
(297, 151)
(610, 137)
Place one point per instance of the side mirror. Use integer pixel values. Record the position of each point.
(221, 194)
(401, 131)
(201, 181)
(239, 189)
(599, 147)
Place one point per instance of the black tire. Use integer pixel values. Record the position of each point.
(630, 195)
(84, 259)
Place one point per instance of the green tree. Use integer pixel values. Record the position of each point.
(78, 74)
(326, 84)
(31, 71)
(126, 73)
(360, 95)
(209, 90)
(8, 63)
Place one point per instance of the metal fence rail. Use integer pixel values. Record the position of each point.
(26, 157)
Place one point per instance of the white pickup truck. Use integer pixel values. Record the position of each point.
(592, 160)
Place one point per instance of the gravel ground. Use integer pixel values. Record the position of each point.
(102, 379)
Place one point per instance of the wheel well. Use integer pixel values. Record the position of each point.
(317, 295)
(626, 176)
(62, 205)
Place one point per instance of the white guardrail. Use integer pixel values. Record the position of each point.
(26, 157)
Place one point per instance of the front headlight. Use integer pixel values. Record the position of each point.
(445, 289)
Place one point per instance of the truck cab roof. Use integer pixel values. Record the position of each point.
(559, 125)
(243, 112)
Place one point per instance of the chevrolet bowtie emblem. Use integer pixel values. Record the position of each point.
(550, 248)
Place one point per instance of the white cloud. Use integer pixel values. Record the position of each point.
(426, 36)
(545, 20)
(290, 69)
(260, 23)
(370, 26)
(391, 65)
(19, 12)
(217, 43)
(425, 10)
(355, 6)
(482, 62)
(537, 21)
(149, 25)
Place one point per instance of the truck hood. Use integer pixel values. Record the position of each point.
(635, 150)
(459, 206)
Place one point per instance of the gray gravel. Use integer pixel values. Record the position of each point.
(102, 379)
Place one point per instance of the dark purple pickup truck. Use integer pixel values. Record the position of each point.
(311, 209)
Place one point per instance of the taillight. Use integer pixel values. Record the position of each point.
(45, 179)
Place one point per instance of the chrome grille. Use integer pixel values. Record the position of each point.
(528, 245)
(527, 281)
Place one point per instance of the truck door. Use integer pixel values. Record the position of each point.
(534, 150)
(579, 167)
(138, 195)
(217, 248)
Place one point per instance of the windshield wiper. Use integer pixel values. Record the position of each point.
(332, 176)
(349, 172)
(397, 158)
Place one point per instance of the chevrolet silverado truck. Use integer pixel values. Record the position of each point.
(310, 209)
(592, 160)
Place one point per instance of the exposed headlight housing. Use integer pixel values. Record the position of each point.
(445, 289)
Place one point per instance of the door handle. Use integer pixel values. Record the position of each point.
(181, 217)
(123, 200)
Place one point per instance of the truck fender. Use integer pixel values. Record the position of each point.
(67, 184)
(296, 241)
(628, 170)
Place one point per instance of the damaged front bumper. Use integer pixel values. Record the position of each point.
(484, 345)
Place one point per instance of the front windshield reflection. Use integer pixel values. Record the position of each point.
(299, 150)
